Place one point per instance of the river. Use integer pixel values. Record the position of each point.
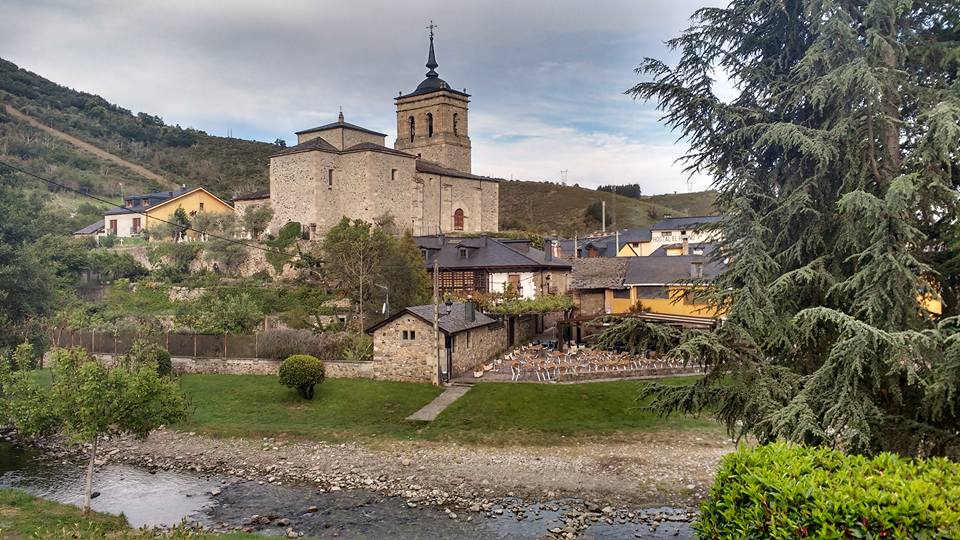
(157, 498)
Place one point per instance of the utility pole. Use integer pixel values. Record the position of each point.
(603, 214)
(436, 317)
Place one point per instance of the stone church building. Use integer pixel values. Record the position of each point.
(424, 182)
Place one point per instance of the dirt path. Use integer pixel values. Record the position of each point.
(83, 145)
(674, 468)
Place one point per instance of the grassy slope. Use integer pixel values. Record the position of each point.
(225, 165)
(549, 208)
(357, 409)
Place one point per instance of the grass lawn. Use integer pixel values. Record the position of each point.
(24, 516)
(359, 409)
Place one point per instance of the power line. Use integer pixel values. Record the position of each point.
(109, 203)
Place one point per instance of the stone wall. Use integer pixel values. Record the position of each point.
(398, 359)
(476, 346)
(253, 366)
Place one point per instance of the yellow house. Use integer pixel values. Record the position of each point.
(192, 201)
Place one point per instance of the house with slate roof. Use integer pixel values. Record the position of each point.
(494, 265)
(405, 347)
(140, 211)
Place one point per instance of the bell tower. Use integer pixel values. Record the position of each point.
(432, 120)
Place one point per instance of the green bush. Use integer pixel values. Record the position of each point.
(143, 352)
(302, 372)
(782, 491)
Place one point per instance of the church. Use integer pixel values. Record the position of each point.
(424, 182)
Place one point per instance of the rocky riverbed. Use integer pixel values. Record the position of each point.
(642, 488)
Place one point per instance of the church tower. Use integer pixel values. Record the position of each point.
(432, 120)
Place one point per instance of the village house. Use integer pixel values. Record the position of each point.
(494, 265)
(424, 182)
(140, 211)
(664, 238)
(405, 347)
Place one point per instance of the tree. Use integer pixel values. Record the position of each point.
(367, 263)
(256, 219)
(302, 372)
(213, 313)
(90, 400)
(219, 230)
(837, 173)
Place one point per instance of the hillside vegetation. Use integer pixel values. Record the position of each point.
(550, 208)
(178, 155)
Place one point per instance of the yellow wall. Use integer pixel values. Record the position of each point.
(666, 306)
(190, 204)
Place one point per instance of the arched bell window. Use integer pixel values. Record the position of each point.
(429, 124)
(458, 219)
(413, 128)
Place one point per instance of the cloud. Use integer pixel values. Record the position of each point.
(547, 77)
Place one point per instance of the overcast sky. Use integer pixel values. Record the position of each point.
(546, 77)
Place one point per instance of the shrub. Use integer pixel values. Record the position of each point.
(281, 343)
(143, 352)
(302, 372)
(782, 491)
(358, 348)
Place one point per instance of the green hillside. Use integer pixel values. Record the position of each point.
(551, 208)
(178, 155)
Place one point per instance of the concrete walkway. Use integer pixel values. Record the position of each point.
(433, 409)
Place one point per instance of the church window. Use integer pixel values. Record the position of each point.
(458, 220)
(429, 124)
(329, 178)
(456, 120)
(393, 174)
(413, 128)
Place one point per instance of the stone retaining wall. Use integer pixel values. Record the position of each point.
(256, 366)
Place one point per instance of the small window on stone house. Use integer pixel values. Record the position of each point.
(468, 340)
(406, 335)
(393, 175)
(429, 124)
(413, 128)
(413, 334)
(329, 178)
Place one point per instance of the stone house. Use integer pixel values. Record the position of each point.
(491, 265)
(405, 348)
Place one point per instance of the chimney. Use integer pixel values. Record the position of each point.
(548, 250)
(686, 247)
(469, 310)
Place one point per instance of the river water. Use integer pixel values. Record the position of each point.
(156, 498)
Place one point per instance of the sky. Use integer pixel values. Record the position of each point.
(547, 77)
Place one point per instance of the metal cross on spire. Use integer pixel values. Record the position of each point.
(431, 27)
(431, 58)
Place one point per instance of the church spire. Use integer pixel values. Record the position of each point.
(432, 59)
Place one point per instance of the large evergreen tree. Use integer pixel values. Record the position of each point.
(837, 164)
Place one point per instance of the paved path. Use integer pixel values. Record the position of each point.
(433, 409)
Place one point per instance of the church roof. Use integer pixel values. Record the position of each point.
(255, 196)
(313, 144)
(430, 167)
(341, 124)
(374, 147)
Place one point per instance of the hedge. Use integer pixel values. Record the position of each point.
(784, 491)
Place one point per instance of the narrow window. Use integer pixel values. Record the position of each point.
(329, 178)
(468, 340)
(429, 124)
(406, 335)
(456, 122)
(113, 227)
(201, 207)
(413, 334)
(136, 225)
(393, 175)
(413, 128)
(463, 253)
(458, 220)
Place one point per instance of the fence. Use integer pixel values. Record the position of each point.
(179, 345)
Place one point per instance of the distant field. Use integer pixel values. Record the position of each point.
(548, 208)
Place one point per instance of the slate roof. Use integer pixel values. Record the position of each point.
(373, 147)
(154, 198)
(606, 245)
(430, 167)
(452, 323)
(666, 270)
(484, 252)
(599, 272)
(690, 222)
(93, 228)
(344, 125)
(256, 195)
(312, 144)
